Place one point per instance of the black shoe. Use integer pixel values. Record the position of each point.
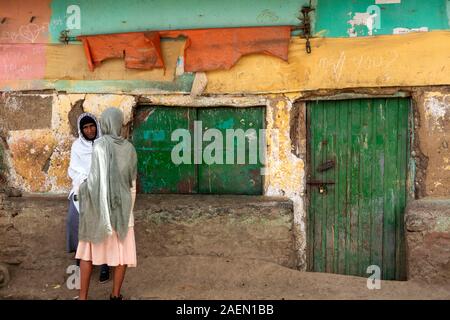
(104, 274)
(111, 297)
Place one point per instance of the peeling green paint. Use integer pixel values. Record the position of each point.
(182, 84)
(333, 16)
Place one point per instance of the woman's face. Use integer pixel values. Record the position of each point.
(90, 131)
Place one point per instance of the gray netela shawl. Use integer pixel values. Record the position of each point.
(105, 197)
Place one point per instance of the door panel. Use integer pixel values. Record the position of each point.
(232, 178)
(152, 138)
(358, 220)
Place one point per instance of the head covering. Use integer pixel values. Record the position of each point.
(111, 122)
(105, 198)
(80, 157)
(82, 121)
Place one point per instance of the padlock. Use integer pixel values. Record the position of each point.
(322, 189)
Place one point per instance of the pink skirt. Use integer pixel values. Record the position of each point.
(110, 251)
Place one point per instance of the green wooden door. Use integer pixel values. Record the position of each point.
(152, 130)
(241, 175)
(362, 147)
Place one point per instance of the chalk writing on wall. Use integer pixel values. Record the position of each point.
(22, 62)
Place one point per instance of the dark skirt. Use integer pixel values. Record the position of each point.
(73, 218)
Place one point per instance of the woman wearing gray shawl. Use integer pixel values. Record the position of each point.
(106, 233)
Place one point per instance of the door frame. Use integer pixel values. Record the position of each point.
(411, 166)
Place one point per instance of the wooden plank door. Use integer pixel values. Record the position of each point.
(358, 156)
(157, 173)
(235, 177)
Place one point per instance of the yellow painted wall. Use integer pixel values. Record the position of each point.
(396, 60)
(69, 62)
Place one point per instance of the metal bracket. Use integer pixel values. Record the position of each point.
(65, 38)
(326, 166)
(305, 25)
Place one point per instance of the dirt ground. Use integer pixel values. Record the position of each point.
(39, 269)
(202, 277)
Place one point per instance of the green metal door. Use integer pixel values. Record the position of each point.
(152, 130)
(358, 156)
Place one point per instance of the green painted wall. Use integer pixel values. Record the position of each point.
(333, 16)
(112, 16)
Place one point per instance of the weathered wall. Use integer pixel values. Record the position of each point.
(433, 140)
(28, 49)
(37, 152)
(286, 163)
(33, 229)
(336, 63)
(428, 239)
(39, 135)
(36, 129)
(376, 17)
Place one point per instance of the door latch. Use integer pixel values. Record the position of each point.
(321, 184)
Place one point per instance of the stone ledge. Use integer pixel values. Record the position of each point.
(253, 227)
(427, 224)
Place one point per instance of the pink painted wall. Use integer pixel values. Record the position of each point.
(17, 27)
(22, 61)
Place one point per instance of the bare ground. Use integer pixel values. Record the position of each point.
(203, 277)
(170, 267)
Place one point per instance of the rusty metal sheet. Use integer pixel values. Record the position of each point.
(141, 50)
(212, 49)
(206, 49)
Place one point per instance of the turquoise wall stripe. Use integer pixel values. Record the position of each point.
(114, 16)
(448, 12)
(333, 16)
(182, 84)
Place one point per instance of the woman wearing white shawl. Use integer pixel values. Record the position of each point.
(107, 197)
(80, 164)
